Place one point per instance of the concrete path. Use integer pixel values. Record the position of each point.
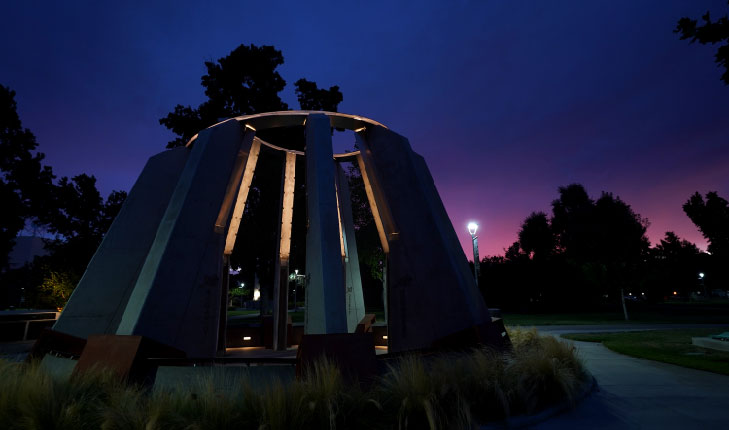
(643, 394)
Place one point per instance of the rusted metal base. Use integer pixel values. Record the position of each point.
(124, 355)
(55, 341)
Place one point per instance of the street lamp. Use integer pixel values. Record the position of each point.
(297, 282)
(472, 227)
(240, 296)
(703, 284)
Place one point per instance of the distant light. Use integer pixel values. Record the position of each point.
(472, 227)
(384, 337)
(246, 338)
(256, 294)
(630, 294)
(701, 275)
(642, 294)
(674, 293)
(296, 271)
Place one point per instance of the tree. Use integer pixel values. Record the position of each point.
(245, 82)
(24, 181)
(72, 209)
(573, 222)
(536, 237)
(312, 98)
(712, 218)
(620, 231)
(710, 32)
(674, 266)
(242, 83)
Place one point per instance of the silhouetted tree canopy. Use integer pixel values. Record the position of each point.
(710, 32)
(242, 83)
(620, 232)
(312, 98)
(711, 216)
(71, 209)
(245, 82)
(572, 221)
(25, 183)
(581, 256)
(536, 237)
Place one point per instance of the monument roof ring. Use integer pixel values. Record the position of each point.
(293, 118)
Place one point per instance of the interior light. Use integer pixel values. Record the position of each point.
(246, 338)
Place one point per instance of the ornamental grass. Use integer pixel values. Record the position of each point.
(444, 391)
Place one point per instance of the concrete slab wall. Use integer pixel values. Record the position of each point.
(429, 295)
(99, 300)
(176, 300)
(457, 258)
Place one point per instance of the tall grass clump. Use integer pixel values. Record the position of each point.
(458, 390)
(542, 371)
(30, 398)
(436, 391)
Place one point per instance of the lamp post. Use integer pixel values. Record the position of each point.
(703, 285)
(297, 282)
(240, 296)
(472, 227)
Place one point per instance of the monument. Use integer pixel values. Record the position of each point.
(160, 272)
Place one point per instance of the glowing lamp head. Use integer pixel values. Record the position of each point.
(472, 227)
(701, 275)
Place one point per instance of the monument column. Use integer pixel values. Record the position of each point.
(325, 295)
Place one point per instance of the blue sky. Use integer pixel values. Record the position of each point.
(506, 100)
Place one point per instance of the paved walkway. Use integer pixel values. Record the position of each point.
(642, 394)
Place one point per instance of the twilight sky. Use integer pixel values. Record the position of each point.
(506, 100)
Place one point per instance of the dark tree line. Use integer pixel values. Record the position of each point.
(70, 213)
(594, 253)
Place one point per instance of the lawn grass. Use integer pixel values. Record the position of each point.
(242, 312)
(668, 346)
(589, 318)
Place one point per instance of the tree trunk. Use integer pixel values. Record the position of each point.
(622, 300)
